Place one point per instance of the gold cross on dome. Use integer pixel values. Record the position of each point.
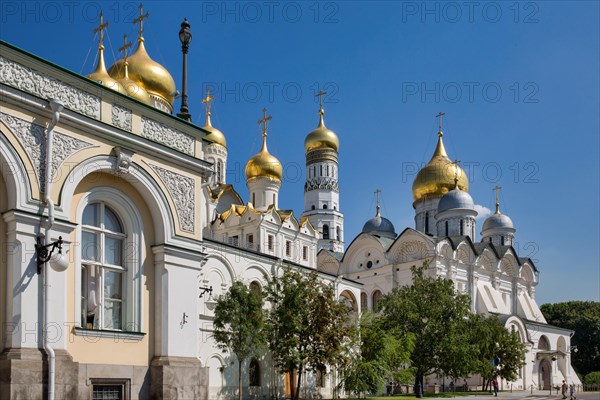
(125, 47)
(377, 191)
(140, 20)
(456, 165)
(440, 115)
(264, 120)
(320, 96)
(101, 29)
(207, 100)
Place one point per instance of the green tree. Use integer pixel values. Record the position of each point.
(238, 324)
(584, 318)
(306, 325)
(384, 356)
(593, 378)
(494, 340)
(438, 318)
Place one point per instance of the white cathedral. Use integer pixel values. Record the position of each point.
(119, 231)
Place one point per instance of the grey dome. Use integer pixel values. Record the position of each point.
(497, 221)
(379, 226)
(456, 199)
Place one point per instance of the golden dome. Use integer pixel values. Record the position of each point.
(133, 89)
(321, 138)
(215, 135)
(101, 76)
(151, 75)
(264, 164)
(438, 177)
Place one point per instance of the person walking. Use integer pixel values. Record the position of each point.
(495, 385)
(572, 392)
(564, 388)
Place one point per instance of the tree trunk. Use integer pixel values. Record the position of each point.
(297, 394)
(418, 383)
(240, 378)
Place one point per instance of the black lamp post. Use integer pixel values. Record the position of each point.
(185, 36)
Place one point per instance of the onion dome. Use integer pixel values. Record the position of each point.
(380, 226)
(101, 76)
(152, 76)
(321, 138)
(214, 135)
(497, 220)
(264, 165)
(456, 199)
(437, 177)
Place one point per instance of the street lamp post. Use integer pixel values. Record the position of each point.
(185, 36)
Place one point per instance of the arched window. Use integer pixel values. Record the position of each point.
(543, 343)
(219, 172)
(103, 269)
(338, 233)
(313, 207)
(254, 373)
(324, 206)
(502, 240)
(256, 289)
(325, 231)
(376, 299)
(320, 375)
(363, 301)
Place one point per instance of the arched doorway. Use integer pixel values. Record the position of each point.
(545, 374)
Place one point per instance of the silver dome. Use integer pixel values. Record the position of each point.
(380, 226)
(456, 199)
(497, 221)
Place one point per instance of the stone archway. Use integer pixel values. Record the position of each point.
(545, 374)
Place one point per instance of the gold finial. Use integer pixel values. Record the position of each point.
(140, 20)
(101, 29)
(440, 115)
(264, 121)
(207, 101)
(497, 189)
(377, 191)
(456, 166)
(124, 50)
(320, 96)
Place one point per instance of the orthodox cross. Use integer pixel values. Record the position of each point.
(207, 100)
(320, 96)
(101, 29)
(264, 121)
(140, 20)
(125, 47)
(456, 164)
(497, 189)
(377, 191)
(440, 115)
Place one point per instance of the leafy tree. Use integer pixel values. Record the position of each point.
(438, 318)
(494, 340)
(584, 318)
(238, 324)
(593, 378)
(306, 325)
(383, 357)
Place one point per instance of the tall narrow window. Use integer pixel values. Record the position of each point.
(103, 271)
(502, 240)
(327, 170)
(270, 242)
(305, 253)
(288, 248)
(219, 172)
(376, 299)
(461, 227)
(363, 301)
(320, 374)
(274, 198)
(338, 233)
(426, 222)
(325, 231)
(254, 373)
(321, 169)
(446, 228)
(253, 198)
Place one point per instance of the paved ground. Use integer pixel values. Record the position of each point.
(527, 395)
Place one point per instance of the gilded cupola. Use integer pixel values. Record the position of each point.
(100, 75)
(321, 138)
(263, 164)
(132, 88)
(214, 135)
(155, 79)
(438, 177)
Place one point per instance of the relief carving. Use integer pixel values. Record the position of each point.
(182, 190)
(167, 136)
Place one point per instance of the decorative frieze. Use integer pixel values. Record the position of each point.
(33, 139)
(43, 86)
(167, 136)
(121, 117)
(321, 183)
(182, 190)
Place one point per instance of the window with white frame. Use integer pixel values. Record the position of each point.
(110, 276)
(103, 271)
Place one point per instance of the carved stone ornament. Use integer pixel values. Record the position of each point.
(167, 136)
(123, 160)
(121, 117)
(322, 183)
(43, 86)
(33, 139)
(182, 190)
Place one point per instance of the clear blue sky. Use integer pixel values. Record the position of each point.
(518, 81)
